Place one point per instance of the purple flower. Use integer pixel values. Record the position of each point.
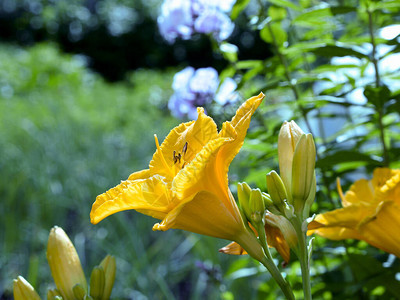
(199, 87)
(215, 22)
(181, 108)
(176, 20)
(182, 18)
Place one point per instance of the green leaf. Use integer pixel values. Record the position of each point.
(313, 16)
(286, 4)
(377, 96)
(372, 274)
(272, 33)
(239, 6)
(276, 13)
(334, 50)
(345, 156)
(248, 64)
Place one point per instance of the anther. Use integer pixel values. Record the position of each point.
(185, 147)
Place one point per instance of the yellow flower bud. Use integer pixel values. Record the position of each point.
(64, 263)
(109, 266)
(289, 135)
(23, 290)
(303, 171)
(276, 188)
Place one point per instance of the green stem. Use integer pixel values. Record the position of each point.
(373, 54)
(302, 254)
(268, 262)
(276, 274)
(258, 249)
(375, 62)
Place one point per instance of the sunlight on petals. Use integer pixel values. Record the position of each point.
(371, 213)
(186, 185)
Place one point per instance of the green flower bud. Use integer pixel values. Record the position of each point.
(276, 188)
(244, 191)
(267, 200)
(109, 266)
(257, 206)
(303, 171)
(23, 290)
(97, 280)
(289, 135)
(79, 292)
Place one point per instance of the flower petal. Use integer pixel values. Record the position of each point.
(361, 192)
(201, 174)
(348, 217)
(275, 239)
(195, 133)
(383, 231)
(150, 196)
(203, 214)
(240, 123)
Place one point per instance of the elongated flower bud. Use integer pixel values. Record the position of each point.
(244, 191)
(257, 206)
(276, 188)
(64, 263)
(23, 290)
(109, 266)
(289, 135)
(303, 174)
(97, 283)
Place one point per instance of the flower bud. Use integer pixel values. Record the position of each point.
(64, 263)
(257, 206)
(23, 290)
(276, 188)
(244, 191)
(109, 266)
(79, 292)
(267, 200)
(303, 171)
(97, 283)
(289, 135)
(52, 294)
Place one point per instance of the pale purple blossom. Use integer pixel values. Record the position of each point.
(176, 20)
(183, 18)
(193, 88)
(216, 22)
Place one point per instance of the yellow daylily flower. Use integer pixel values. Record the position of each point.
(371, 212)
(186, 185)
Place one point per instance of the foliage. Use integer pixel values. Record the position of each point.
(67, 136)
(334, 71)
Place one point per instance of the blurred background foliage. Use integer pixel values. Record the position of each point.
(84, 85)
